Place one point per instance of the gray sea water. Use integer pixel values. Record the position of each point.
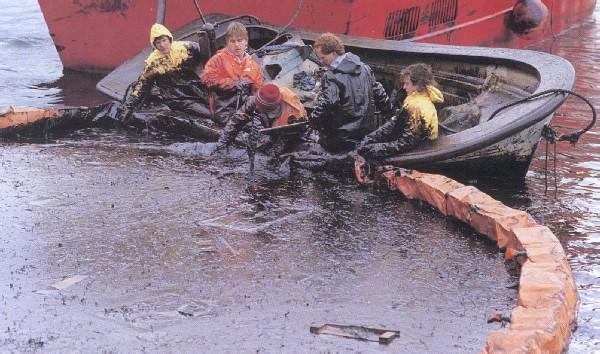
(30, 70)
(154, 229)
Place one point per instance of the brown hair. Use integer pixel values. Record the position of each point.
(329, 43)
(237, 30)
(159, 37)
(420, 75)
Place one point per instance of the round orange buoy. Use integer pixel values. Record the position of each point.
(529, 19)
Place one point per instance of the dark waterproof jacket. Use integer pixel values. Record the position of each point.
(170, 79)
(345, 109)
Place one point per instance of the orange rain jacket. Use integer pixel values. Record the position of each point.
(224, 70)
(221, 74)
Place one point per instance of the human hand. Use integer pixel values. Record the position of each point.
(244, 85)
(123, 114)
(228, 84)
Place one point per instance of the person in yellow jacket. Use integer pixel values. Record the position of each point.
(416, 122)
(169, 78)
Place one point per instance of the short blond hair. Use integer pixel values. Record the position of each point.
(236, 30)
(329, 43)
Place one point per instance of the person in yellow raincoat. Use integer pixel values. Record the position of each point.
(416, 122)
(168, 84)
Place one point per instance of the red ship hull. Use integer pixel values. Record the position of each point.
(98, 35)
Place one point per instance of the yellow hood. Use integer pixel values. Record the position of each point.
(434, 94)
(176, 56)
(158, 30)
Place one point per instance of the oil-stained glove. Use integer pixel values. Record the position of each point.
(244, 86)
(123, 114)
(371, 151)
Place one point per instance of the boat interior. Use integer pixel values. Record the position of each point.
(475, 81)
(473, 87)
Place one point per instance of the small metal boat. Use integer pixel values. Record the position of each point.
(480, 86)
(475, 81)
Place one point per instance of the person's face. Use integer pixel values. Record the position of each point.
(237, 46)
(163, 44)
(408, 85)
(326, 59)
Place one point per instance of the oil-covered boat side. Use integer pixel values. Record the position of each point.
(527, 71)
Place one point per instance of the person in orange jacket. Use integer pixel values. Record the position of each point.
(273, 106)
(231, 74)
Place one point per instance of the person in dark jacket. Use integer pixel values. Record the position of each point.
(416, 122)
(345, 108)
(169, 82)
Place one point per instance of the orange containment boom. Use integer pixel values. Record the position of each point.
(23, 120)
(547, 301)
(11, 117)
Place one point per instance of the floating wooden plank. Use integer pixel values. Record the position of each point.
(381, 335)
(68, 282)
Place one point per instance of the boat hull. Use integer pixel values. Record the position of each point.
(508, 157)
(98, 35)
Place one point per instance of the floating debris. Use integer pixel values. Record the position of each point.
(68, 282)
(381, 335)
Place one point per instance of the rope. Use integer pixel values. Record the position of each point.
(571, 138)
(285, 28)
(546, 169)
(550, 135)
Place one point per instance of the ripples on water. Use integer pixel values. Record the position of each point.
(574, 215)
(31, 71)
(260, 260)
(32, 75)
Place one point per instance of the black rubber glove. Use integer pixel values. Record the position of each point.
(123, 114)
(244, 85)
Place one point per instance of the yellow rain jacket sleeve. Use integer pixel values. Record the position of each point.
(417, 121)
(423, 117)
(158, 64)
